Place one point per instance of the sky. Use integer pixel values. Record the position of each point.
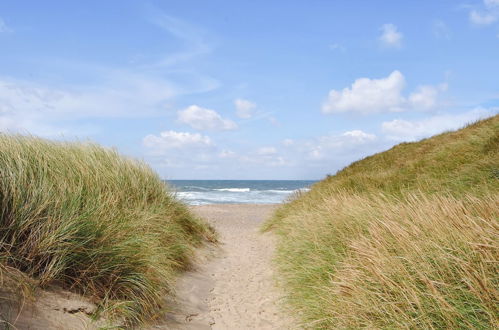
(247, 89)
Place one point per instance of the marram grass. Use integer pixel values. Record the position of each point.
(408, 238)
(85, 218)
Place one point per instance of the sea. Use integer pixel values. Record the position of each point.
(202, 192)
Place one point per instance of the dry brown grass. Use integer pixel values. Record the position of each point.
(369, 249)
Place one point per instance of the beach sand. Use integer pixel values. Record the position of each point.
(232, 286)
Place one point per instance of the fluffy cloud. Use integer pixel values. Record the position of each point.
(390, 36)
(177, 153)
(264, 151)
(204, 119)
(332, 146)
(425, 97)
(244, 108)
(378, 95)
(404, 130)
(359, 136)
(485, 18)
(266, 161)
(227, 154)
(266, 157)
(175, 140)
(368, 95)
(489, 14)
(181, 153)
(325, 151)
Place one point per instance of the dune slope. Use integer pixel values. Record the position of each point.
(406, 238)
(88, 220)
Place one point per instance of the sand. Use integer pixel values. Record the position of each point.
(49, 308)
(232, 286)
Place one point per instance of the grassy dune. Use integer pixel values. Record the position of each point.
(407, 238)
(87, 219)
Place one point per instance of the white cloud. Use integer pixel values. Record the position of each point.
(404, 130)
(204, 119)
(177, 154)
(485, 18)
(264, 151)
(227, 154)
(182, 153)
(266, 160)
(279, 162)
(425, 97)
(175, 140)
(40, 109)
(244, 108)
(367, 96)
(491, 3)
(489, 14)
(330, 147)
(140, 90)
(390, 36)
(359, 136)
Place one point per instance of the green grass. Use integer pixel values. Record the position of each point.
(85, 218)
(407, 238)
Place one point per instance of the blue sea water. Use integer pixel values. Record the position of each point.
(201, 192)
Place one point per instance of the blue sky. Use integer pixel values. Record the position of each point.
(247, 89)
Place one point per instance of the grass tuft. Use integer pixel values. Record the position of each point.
(94, 222)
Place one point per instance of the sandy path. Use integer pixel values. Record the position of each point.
(231, 287)
(234, 288)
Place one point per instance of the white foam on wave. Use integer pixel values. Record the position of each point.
(234, 189)
(196, 188)
(236, 195)
(186, 194)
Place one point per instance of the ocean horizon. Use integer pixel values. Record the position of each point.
(203, 192)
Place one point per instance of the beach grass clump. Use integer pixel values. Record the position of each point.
(407, 238)
(85, 218)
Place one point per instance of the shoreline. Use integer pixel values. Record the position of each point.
(235, 204)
